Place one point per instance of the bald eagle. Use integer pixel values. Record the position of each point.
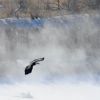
(29, 68)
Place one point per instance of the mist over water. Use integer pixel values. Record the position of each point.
(70, 45)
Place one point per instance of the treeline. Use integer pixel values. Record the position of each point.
(45, 8)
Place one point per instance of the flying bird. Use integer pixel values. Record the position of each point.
(29, 68)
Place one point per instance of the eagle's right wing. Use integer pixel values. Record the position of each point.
(37, 60)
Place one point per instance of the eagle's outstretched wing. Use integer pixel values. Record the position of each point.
(37, 60)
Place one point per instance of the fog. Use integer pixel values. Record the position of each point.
(70, 45)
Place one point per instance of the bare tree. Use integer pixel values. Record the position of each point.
(58, 1)
(22, 7)
(93, 4)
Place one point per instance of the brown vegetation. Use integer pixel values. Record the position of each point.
(45, 8)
